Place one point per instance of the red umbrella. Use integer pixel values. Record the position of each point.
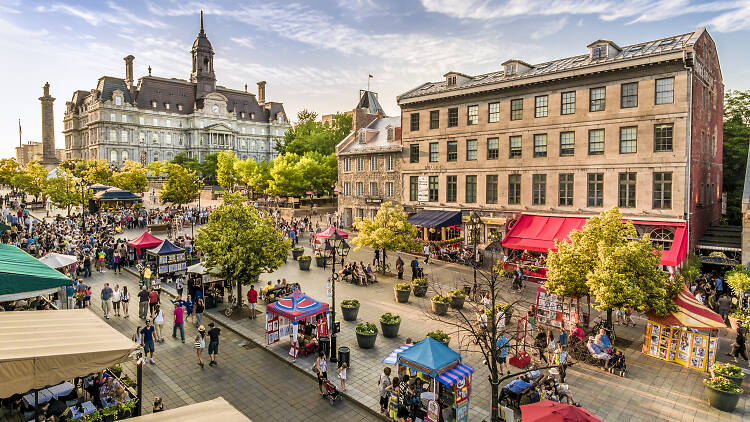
(552, 411)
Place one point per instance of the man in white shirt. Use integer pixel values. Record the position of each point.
(426, 251)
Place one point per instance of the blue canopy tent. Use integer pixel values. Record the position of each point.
(169, 257)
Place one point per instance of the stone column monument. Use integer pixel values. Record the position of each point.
(49, 159)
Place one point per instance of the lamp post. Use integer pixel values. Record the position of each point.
(84, 185)
(198, 184)
(475, 224)
(335, 245)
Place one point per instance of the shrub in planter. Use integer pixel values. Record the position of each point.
(304, 262)
(349, 309)
(320, 259)
(366, 334)
(390, 323)
(401, 292)
(420, 287)
(116, 370)
(297, 252)
(457, 298)
(440, 336)
(440, 304)
(722, 393)
(731, 372)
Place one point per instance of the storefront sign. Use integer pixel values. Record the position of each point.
(373, 201)
(463, 391)
(423, 189)
(433, 411)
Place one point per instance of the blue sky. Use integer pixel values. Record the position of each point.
(317, 54)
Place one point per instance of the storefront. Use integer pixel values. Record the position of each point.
(437, 225)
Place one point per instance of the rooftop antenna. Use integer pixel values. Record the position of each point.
(202, 22)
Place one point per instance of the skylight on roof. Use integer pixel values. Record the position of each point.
(635, 49)
(667, 42)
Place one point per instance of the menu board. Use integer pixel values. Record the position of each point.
(557, 311)
(682, 345)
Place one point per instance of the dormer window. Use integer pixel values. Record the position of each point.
(179, 107)
(153, 104)
(451, 80)
(166, 106)
(242, 115)
(602, 49)
(118, 100)
(390, 133)
(598, 52)
(511, 69)
(362, 136)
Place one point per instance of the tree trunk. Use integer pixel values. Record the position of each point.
(382, 260)
(239, 294)
(609, 318)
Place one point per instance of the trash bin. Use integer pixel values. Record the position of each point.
(324, 345)
(344, 356)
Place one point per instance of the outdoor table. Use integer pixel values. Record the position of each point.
(61, 389)
(85, 409)
(44, 397)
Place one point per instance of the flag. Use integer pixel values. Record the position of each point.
(370, 76)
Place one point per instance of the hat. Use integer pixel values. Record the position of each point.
(210, 324)
(201, 328)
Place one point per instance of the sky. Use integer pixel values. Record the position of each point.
(317, 54)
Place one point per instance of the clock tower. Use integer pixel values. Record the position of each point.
(203, 65)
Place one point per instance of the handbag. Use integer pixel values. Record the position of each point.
(521, 360)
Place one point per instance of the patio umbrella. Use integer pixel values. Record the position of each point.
(56, 260)
(552, 411)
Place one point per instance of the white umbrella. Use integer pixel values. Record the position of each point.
(56, 260)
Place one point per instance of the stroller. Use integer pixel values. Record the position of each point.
(331, 392)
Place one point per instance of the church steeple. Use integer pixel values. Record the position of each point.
(203, 64)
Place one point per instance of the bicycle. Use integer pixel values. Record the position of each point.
(233, 305)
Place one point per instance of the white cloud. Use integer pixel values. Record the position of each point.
(246, 42)
(729, 22)
(547, 30)
(96, 18)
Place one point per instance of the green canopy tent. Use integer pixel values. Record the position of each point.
(23, 276)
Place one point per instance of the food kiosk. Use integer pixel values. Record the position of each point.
(283, 318)
(169, 258)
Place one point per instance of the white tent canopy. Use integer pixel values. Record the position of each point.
(213, 410)
(56, 260)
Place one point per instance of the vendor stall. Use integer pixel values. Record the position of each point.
(437, 225)
(56, 260)
(449, 379)
(169, 258)
(561, 312)
(688, 336)
(144, 241)
(217, 409)
(208, 282)
(283, 318)
(319, 239)
(23, 276)
(115, 197)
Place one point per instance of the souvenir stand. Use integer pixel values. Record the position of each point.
(561, 312)
(169, 258)
(144, 241)
(449, 379)
(688, 336)
(319, 239)
(283, 318)
(208, 281)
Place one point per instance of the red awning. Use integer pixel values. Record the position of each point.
(146, 240)
(690, 313)
(538, 233)
(325, 234)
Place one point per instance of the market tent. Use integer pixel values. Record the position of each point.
(435, 218)
(166, 248)
(56, 260)
(325, 234)
(146, 240)
(297, 307)
(116, 194)
(217, 409)
(23, 276)
(393, 356)
(690, 313)
(429, 356)
(551, 411)
(65, 344)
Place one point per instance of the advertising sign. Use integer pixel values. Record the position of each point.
(423, 189)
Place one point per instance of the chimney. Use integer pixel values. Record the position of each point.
(261, 92)
(129, 71)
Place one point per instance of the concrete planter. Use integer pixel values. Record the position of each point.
(304, 264)
(439, 308)
(722, 400)
(402, 296)
(320, 261)
(419, 291)
(457, 302)
(366, 341)
(350, 314)
(297, 253)
(389, 330)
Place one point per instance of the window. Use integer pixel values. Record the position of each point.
(125, 156)
(360, 164)
(433, 188)
(113, 156)
(413, 188)
(540, 106)
(124, 136)
(347, 164)
(389, 189)
(540, 145)
(565, 189)
(516, 109)
(414, 153)
(539, 189)
(347, 188)
(515, 146)
(514, 189)
(452, 117)
(433, 157)
(118, 100)
(153, 104)
(662, 190)
(168, 139)
(124, 118)
(491, 189)
(568, 103)
(626, 190)
(360, 213)
(179, 107)
(360, 189)
(595, 189)
(166, 106)
(451, 80)
(596, 99)
(414, 122)
(452, 150)
(373, 163)
(567, 143)
(113, 117)
(629, 95)
(451, 188)
(665, 91)
(434, 119)
(389, 163)
(373, 188)
(142, 121)
(471, 149)
(112, 135)
(471, 189)
(628, 139)
(472, 115)
(493, 148)
(154, 139)
(493, 115)
(598, 52)
(663, 137)
(596, 141)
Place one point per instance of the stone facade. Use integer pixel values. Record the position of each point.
(158, 118)
(32, 151)
(49, 159)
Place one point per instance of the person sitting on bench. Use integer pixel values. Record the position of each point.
(617, 364)
(597, 353)
(515, 388)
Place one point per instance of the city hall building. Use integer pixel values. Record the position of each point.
(158, 118)
(536, 149)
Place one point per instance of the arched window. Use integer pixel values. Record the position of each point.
(662, 236)
(125, 156)
(113, 156)
(156, 155)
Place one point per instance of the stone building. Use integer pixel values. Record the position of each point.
(157, 118)
(32, 151)
(368, 161)
(536, 149)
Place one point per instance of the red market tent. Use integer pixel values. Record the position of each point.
(320, 238)
(297, 307)
(690, 313)
(144, 241)
(551, 411)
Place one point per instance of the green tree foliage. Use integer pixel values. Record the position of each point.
(63, 190)
(9, 167)
(286, 176)
(736, 136)
(255, 175)
(98, 171)
(208, 167)
(132, 177)
(227, 171)
(31, 178)
(691, 268)
(738, 280)
(158, 168)
(309, 135)
(189, 163)
(180, 187)
(241, 243)
(389, 230)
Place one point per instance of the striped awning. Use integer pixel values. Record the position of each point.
(455, 374)
(393, 357)
(690, 313)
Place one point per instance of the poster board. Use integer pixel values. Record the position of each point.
(462, 394)
(557, 311)
(272, 328)
(691, 348)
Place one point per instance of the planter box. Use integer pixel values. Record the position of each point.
(389, 330)
(366, 341)
(457, 302)
(402, 296)
(439, 308)
(350, 314)
(722, 400)
(297, 254)
(320, 261)
(304, 264)
(419, 291)
(736, 380)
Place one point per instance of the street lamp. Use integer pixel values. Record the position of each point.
(335, 245)
(84, 185)
(475, 225)
(198, 187)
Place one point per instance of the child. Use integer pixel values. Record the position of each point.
(342, 375)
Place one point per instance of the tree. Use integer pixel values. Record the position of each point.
(286, 176)
(98, 171)
(189, 163)
(739, 281)
(132, 177)
(181, 186)
(31, 179)
(227, 174)
(208, 167)
(255, 175)
(388, 231)
(308, 135)
(241, 243)
(62, 190)
(9, 167)
(736, 136)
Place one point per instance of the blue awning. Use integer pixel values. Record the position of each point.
(435, 218)
(452, 376)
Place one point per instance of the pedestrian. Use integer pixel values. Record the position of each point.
(393, 400)
(213, 343)
(199, 311)
(106, 300)
(179, 323)
(116, 262)
(321, 368)
(125, 299)
(551, 345)
(561, 360)
(383, 382)
(116, 298)
(148, 341)
(739, 347)
(153, 300)
(143, 303)
(159, 323)
(530, 317)
(376, 259)
(179, 286)
(725, 304)
(158, 405)
(147, 276)
(426, 252)
(189, 308)
(200, 344)
(252, 299)
(414, 268)
(342, 375)
(400, 267)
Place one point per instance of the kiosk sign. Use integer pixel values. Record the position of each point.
(433, 411)
(463, 391)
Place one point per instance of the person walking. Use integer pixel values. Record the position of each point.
(147, 276)
(561, 360)
(400, 267)
(739, 347)
(138, 336)
(179, 323)
(383, 382)
(153, 300)
(213, 343)
(189, 309)
(143, 303)
(426, 252)
(342, 375)
(148, 341)
(125, 299)
(321, 367)
(199, 306)
(725, 304)
(159, 323)
(376, 259)
(252, 299)
(116, 299)
(179, 286)
(200, 344)
(106, 300)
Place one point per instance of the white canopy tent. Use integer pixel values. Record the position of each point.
(217, 409)
(56, 260)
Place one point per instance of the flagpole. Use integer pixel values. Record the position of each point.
(20, 143)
